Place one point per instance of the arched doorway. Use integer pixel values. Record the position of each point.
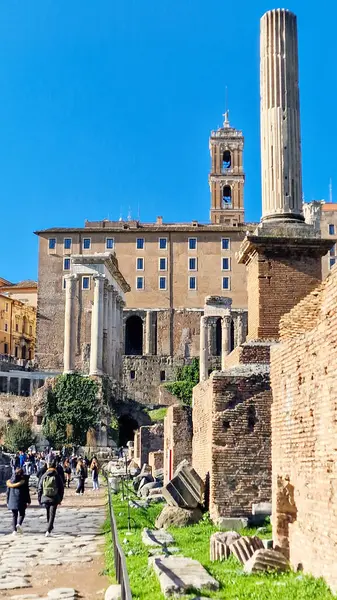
(127, 427)
(134, 336)
(218, 337)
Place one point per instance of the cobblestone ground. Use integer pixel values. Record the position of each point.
(66, 565)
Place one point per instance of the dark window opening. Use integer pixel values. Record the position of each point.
(226, 425)
(134, 336)
(16, 351)
(23, 352)
(232, 340)
(226, 196)
(162, 375)
(251, 418)
(132, 374)
(5, 348)
(226, 160)
(39, 420)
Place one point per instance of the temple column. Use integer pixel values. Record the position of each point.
(225, 339)
(203, 348)
(240, 329)
(148, 332)
(96, 349)
(69, 324)
(113, 331)
(19, 386)
(109, 359)
(105, 331)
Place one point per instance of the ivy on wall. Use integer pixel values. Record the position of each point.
(71, 410)
(186, 378)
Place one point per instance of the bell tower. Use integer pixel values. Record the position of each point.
(227, 177)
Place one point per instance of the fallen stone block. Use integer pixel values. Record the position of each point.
(264, 508)
(176, 494)
(266, 560)
(155, 491)
(156, 499)
(220, 544)
(191, 479)
(156, 537)
(139, 504)
(178, 575)
(233, 523)
(245, 546)
(177, 517)
(144, 490)
(114, 592)
(59, 593)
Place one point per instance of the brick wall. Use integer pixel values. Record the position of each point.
(304, 433)
(156, 460)
(277, 281)
(177, 438)
(151, 439)
(232, 438)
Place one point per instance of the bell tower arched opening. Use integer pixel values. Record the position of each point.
(227, 196)
(226, 160)
(134, 336)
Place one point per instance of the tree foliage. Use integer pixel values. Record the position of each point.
(19, 436)
(186, 378)
(70, 410)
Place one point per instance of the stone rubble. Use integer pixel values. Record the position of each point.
(156, 537)
(178, 575)
(220, 544)
(266, 560)
(245, 546)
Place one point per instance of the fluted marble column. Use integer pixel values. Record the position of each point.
(69, 324)
(203, 365)
(105, 330)
(280, 117)
(225, 339)
(148, 332)
(113, 317)
(96, 348)
(240, 329)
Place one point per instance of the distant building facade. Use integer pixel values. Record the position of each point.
(17, 330)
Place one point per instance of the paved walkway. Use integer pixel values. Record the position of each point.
(35, 567)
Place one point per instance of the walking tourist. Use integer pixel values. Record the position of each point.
(22, 458)
(73, 464)
(94, 474)
(67, 472)
(82, 473)
(50, 493)
(17, 498)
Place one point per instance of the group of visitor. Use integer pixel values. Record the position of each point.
(54, 473)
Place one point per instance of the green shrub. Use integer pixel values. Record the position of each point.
(187, 378)
(19, 436)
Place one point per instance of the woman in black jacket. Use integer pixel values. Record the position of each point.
(50, 493)
(17, 498)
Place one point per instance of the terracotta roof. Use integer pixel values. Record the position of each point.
(329, 206)
(26, 283)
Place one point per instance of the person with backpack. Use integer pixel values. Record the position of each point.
(50, 493)
(82, 474)
(18, 498)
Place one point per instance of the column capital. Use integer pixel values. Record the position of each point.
(71, 277)
(99, 277)
(226, 320)
(120, 301)
(204, 320)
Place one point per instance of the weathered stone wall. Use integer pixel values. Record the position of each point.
(232, 438)
(156, 460)
(151, 439)
(304, 433)
(13, 408)
(177, 438)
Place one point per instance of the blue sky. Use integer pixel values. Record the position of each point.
(108, 105)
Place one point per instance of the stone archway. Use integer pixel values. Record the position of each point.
(134, 336)
(127, 427)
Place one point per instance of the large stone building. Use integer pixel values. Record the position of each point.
(17, 327)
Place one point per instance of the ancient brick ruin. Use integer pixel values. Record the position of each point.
(177, 438)
(304, 431)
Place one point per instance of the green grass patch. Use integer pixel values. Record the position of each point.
(193, 542)
(157, 414)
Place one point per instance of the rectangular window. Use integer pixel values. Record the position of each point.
(67, 243)
(162, 264)
(66, 264)
(140, 283)
(85, 283)
(6, 306)
(6, 326)
(162, 283)
(86, 243)
(225, 264)
(5, 348)
(226, 283)
(52, 243)
(162, 243)
(140, 243)
(333, 250)
(225, 243)
(331, 229)
(140, 264)
(192, 264)
(192, 243)
(332, 262)
(109, 243)
(192, 283)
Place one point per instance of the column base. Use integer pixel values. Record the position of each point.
(96, 372)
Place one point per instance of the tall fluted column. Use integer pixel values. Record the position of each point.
(114, 294)
(203, 348)
(96, 349)
(280, 117)
(105, 330)
(109, 344)
(148, 332)
(69, 324)
(225, 339)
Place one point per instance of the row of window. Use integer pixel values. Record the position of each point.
(162, 264)
(140, 243)
(162, 283)
(17, 328)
